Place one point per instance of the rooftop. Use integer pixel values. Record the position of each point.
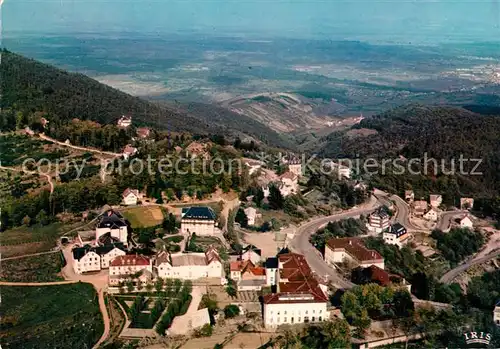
(272, 263)
(200, 213)
(111, 219)
(130, 260)
(397, 229)
(356, 248)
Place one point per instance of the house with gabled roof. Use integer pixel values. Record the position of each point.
(409, 195)
(199, 220)
(247, 275)
(189, 266)
(112, 222)
(130, 196)
(431, 215)
(376, 275)
(396, 235)
(435, 200)
(94, 258)
(125, 121)
(129, 151)
(496, 314)
(123, 267)
(466, 222)
(337, 250)
(251, 253)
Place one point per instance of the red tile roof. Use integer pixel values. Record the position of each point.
(301, 286)
(356, 248)
(241, 265)
(130, 260)
(143, 132)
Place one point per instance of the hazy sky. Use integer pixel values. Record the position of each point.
(397, 20)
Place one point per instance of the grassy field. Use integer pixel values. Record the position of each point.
(26, 240)
(143, 217)
(42, 268)
(63, 316)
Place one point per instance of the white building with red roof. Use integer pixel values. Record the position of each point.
(125, 121)
(122, 267)
(247, 275)
(300, 297)
(129, 151)
(339, 250)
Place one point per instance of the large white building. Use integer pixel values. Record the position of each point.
(88, 258)
(123, 267)
(199, 220)
(114, 224)
(352, 250)
(189, 266)
(300, 298)
(378, 221)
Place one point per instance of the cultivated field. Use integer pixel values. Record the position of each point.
(48, 317)
(143, 217)
(41, 268)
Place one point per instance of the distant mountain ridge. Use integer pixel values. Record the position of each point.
(29, 86)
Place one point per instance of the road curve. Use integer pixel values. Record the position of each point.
(300, 243)
(403, 214)
(450, 275)
(444, 222)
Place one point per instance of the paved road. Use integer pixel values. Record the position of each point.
(444, 222)
(449, 276)
(301, 244)
(403, 214)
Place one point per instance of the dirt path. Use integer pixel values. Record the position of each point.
(47, 176)
(29, 255)
(92, 150)
(105, 319)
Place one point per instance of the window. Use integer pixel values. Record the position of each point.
(320, 311)
(284, 319)
(285, 312)
(306, 311)
(298, 319)
(312, 319)
(306, 319)
(291, 319)
(319, 319)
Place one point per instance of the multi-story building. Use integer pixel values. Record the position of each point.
(352, 250)
(94, 258)
(123, 267)
(300, 298)
(113, 223)
(396, 235)
(199, 220)
(271, 265)
(379, 221)
(189, 266)
(131, 196)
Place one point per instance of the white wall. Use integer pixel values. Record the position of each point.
(199, 227)
(190, 272)
(251, 256)
(271, 276)
(108, 257)
(130, 199)
(285, 313)
(121, 233)
(90, 262)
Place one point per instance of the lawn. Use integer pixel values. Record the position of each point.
(62, 316)
(143, 217)
(42, 268)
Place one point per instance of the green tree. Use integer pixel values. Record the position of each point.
(241, 218)
(42, 217)
(231, 311)
(275, 198)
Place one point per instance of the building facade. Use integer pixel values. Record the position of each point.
(189, 266)
(123, 267)
(113, 223)
(396, 235)
(198, 220)
(378, 221)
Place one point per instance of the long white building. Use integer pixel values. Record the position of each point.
(189, 266)
(88, 258)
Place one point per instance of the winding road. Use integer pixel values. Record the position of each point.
(452, 274)
(444, 222)
(300, 243)
(403, 214)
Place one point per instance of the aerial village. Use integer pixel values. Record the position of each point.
(265, 266)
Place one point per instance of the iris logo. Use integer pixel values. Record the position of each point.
(477, 337)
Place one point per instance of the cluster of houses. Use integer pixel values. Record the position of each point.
(379, 221)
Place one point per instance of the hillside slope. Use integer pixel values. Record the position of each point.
(443, 133)
(29, 86)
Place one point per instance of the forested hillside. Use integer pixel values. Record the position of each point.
(443, 133)
(32, 88)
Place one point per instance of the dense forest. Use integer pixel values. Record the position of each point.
(31, 88)
(443, 133)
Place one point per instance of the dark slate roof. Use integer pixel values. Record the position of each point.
(79, 252)
(284, 250)
(111, 219)
(200, 212)
(498, 303)
(397, 229)
(272, 263)
(253, 248)
(100, 250)
(381, 212)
